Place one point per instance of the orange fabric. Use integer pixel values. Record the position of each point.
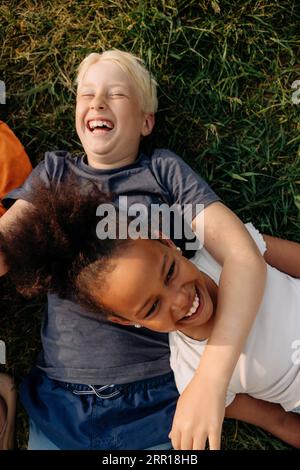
(15, 165)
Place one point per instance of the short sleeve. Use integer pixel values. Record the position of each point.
(15, 165)
(257, 237)
(230, 396)
(50, 170)
(183, 184)
(39, 173)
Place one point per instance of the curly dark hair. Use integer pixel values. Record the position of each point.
(53, 246)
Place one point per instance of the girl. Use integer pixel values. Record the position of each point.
(148, 283)
(116, 103)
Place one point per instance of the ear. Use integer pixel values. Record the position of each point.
(120, 321)
(148, 124)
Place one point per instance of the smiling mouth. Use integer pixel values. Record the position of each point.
(100, 126)
(195, 309)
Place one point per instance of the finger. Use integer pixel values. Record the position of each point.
(175, 439)
(186, 441)
(199, 442)
(215, 441)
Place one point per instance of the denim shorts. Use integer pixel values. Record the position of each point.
(70, 416)
(38, 441)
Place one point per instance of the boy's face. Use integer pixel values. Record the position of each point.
(153, 285)
(109, 118)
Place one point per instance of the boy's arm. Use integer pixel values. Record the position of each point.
(269, 416)
(200, 409)
(283, 255)
(18, 207)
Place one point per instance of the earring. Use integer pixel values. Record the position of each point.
(138, 326)
(178, 248)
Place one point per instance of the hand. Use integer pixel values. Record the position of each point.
(199, 416)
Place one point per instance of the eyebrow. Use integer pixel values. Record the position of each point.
(111, 85)
(163, 267)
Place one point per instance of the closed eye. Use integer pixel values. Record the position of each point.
(170, 272)
(168, 278)
(152, 309)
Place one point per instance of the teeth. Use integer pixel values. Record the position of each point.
(193, 307)
(100, 123)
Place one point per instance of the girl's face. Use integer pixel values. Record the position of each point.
(153, 285)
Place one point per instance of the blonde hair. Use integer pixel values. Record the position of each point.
(132, 66)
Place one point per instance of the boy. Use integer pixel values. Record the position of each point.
(116, 102)
(108, 276)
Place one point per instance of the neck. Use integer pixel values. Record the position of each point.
(99, 164)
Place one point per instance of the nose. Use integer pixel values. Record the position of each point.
(98, 102)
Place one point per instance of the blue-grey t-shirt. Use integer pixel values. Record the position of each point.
(77, 347)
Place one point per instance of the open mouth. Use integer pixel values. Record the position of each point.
(100, 126)
(195, 309)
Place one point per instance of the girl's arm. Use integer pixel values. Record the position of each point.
(201, 407)
(269, 416)
(283, 255)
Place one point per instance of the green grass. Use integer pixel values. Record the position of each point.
(225, 71)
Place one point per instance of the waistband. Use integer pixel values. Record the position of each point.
(112, 390)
